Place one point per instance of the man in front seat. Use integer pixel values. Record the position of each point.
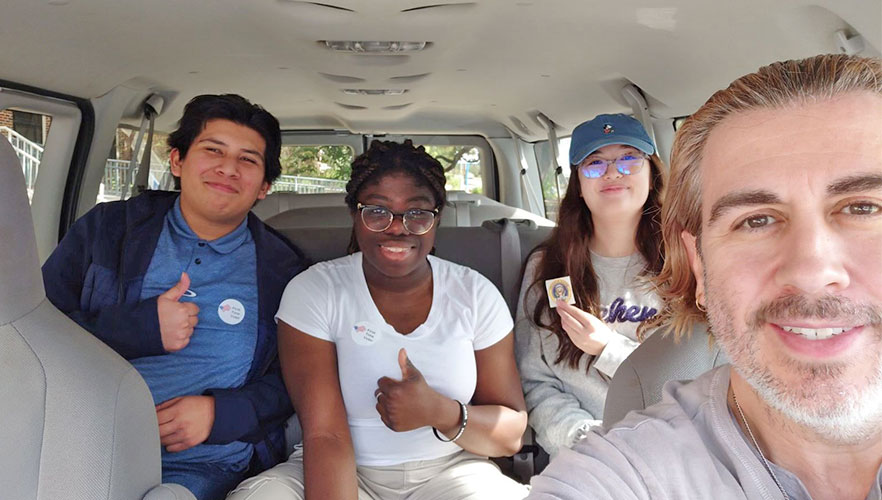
(185, 286)
(773, 228)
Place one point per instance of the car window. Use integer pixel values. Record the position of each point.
(553, 186)
(119, 171)
(27, 133)
(462, 167)
(310, 169)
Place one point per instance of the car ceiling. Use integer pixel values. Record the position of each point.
(491, 65)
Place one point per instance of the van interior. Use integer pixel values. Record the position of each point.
(89, 91)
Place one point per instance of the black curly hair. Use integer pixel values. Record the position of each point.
(384, 157)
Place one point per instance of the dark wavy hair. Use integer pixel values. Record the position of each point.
(385, 157)
(237, 109)
(565, 253)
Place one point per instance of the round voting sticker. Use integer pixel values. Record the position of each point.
(231, 311)
(365, 333)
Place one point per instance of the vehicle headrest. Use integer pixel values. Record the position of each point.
(22, 282)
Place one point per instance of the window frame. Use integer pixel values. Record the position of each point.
(53, 207)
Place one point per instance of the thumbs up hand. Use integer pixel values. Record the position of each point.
(176, 319)
(408, 403)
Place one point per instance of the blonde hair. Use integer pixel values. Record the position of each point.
(777, 85)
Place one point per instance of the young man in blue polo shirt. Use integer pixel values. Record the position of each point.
(185, 286)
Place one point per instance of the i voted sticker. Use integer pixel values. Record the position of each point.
(365, 333)
(231, 311)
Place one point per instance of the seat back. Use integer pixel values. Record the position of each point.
(639, 379)
(78, 422)
(282, 201)
(293, 210)
(480, 248)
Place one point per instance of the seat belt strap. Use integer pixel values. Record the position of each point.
(152, 108)
(510, 260)
(555, 151)
(143, 174)
(129, 172)
(634, 97)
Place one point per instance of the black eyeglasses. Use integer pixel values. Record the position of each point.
(627, 164)
(378, 218)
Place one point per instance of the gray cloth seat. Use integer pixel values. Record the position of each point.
(639, 379)
(292, 210)
(78, 422)
(325, 217)
(282, 201)
(480, 248)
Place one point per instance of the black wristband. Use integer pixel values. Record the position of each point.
(464, 416)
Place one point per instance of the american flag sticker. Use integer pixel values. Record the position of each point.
(365, 334)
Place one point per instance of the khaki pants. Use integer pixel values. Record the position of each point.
(461, 476)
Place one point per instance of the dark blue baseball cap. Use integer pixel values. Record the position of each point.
(604, 130)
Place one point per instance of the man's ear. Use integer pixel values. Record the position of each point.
(263, 190)
(175, 161)
(690, 244)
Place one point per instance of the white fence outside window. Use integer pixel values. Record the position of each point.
(30, 153)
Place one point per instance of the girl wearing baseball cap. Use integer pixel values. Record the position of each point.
(607, 240)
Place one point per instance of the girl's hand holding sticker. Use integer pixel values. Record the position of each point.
(586, 330)
(410, 403)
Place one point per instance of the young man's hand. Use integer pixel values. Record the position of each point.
(185, 421)
(176, 319)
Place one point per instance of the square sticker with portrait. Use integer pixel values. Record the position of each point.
(559, 289)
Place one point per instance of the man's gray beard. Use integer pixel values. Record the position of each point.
(831, 408)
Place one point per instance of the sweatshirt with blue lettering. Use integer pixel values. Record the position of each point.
(564, 402)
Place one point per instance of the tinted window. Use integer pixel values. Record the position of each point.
(554, 186)
(119, 171)
(463, 167)
(314, 169)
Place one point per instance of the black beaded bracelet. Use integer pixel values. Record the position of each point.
(464, 415)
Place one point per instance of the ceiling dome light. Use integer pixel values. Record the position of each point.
(374, 91)
(374, 47)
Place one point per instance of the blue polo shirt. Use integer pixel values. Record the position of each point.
(223, 283)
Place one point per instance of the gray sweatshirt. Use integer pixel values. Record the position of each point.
(687, 446)
(563, 403)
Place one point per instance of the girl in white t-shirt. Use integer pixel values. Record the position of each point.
(400, 364)
(607, 239)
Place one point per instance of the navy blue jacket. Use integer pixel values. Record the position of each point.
(95, 277)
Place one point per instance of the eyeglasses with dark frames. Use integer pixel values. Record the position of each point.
(378, 218)
(627, 164)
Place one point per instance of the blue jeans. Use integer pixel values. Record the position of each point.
(207, 481)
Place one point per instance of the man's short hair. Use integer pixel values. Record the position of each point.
(237, 109)
(775, 86)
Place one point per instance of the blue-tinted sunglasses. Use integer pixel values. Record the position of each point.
(627, 164)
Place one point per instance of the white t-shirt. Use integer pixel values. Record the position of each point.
(331, 301)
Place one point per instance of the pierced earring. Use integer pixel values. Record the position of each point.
(699, 305)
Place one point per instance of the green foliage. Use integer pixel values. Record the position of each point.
(328, 162)
(449, 156)
(335, 162)
(454, 159)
